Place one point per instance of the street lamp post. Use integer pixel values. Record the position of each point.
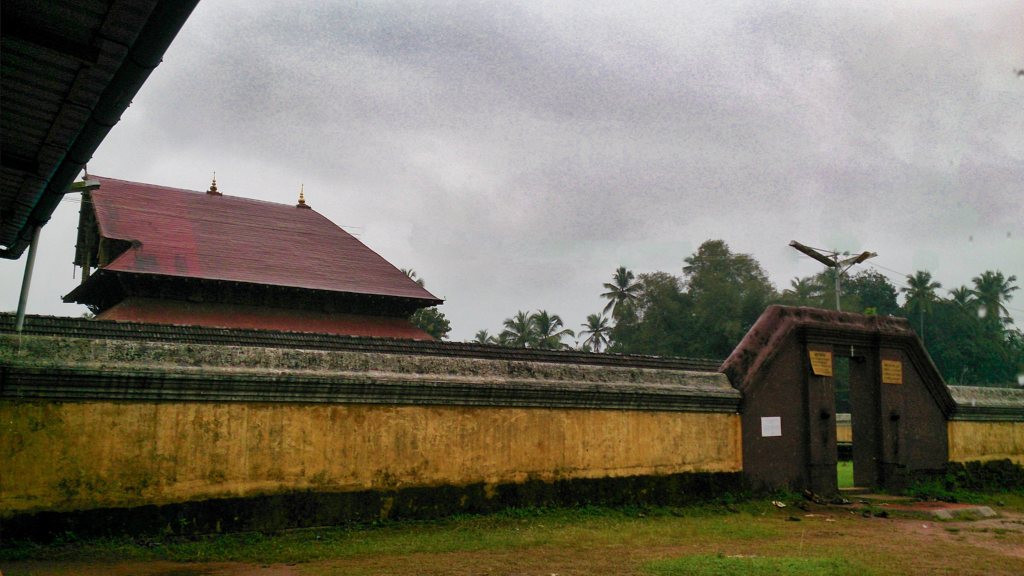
(831, 259)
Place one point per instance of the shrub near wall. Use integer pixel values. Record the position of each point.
(990, 476)
(962, 480)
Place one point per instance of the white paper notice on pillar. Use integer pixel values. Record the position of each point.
(771, 426)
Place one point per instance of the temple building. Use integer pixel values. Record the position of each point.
(170, 256)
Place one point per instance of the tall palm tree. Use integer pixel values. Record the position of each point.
(597, 331)
(963, 297)
(803, 291)
(920, 291)
(992, 291)
(621, 289)
(482, 337)
(412, 276)
(519, 330)
(549, 330)
(502, 339)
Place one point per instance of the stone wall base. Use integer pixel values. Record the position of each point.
(272, 513)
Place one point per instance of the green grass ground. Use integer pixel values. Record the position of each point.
(747, 538)
(702, 565)
(845, 473)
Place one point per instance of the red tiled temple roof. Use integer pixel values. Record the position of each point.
(182, 233)
(160, 311)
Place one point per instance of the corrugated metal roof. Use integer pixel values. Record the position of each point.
(69, 69)
(183, 233)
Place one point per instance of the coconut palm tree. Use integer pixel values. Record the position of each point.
(920, 291)
(519, 330)
(597, 332)
(482, 337)
(502, 339)
(412, 276)
(992, 291)
(803, 291)
(549, 330)
(621, 289)
(963, 297)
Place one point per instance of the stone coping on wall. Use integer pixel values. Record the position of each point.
(145, 332)
(984, 403)
(80, 369)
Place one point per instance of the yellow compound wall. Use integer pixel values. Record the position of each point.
(983, 441)
(79, 455)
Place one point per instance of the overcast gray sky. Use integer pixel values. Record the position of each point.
(515, 154)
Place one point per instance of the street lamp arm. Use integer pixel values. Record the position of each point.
(830, 262)
(851, 262)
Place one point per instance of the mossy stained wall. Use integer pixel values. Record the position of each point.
(81, 455)
(984, 441)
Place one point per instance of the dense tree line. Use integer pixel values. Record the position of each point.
(705, 311)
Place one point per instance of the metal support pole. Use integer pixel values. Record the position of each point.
(26, 281)
(838, 274)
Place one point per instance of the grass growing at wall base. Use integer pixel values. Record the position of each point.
(521, 528)
(270, 513)
(970, 481)
(728, 537)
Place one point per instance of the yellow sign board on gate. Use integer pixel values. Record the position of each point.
(821, 362)
(892, 372)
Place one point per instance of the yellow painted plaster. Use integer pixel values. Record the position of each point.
(844, 432)
(984, 441)
(66, 456)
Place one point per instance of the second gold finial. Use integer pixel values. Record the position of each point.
(302, 197)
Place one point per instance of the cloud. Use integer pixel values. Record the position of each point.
(515, 154)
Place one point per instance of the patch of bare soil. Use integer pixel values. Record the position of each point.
(1004, 535)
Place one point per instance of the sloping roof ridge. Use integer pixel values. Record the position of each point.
(227, 197)
(758, 347)
(187, 233)
(762, 343)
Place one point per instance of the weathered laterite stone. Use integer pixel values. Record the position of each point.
(277, 512)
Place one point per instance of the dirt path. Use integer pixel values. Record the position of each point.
(1003, 535)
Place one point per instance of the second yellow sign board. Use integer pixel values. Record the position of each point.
(892, 372)
(821, 362)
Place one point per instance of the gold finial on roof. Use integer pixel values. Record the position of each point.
(302, 197)
(213, 187)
